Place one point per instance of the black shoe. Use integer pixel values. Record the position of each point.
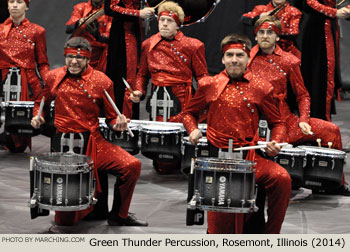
(128, 221)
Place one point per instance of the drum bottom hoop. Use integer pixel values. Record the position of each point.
(66, 208)
(165, 154)
(251, 209)
(203, 151)
(21, 129)
(320, 182)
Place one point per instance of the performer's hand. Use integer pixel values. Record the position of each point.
(136, 98)
(93, 28)
(305, 127)
(36, 122)
(122, 123)
(195, 136)
(146, 12)
(81, 21)
(264, 14)
(272, 149)
(343, 13)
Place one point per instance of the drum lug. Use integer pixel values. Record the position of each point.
(313, 161)
(304, 161)
(212, 201)
(293, 162)
(177, 138)
(33, 202)
(28, 112)
(183, 149)
(333, 163)
(146, 138)
(228, 202)
(196, 151)
(162, 140)
(128, 137)
(242, 202)
(66, 201)
(13, 112)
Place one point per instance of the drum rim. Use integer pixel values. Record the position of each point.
(293, 152)
(202, 141)
(18, 103)
(51, 167)
(161, 129)
(333, 153)
(242, 163)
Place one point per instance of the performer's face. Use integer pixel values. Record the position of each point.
(278, 2)
(17, 8)
(235, 61)
(167, 27)
(76, 64)
(266, 39)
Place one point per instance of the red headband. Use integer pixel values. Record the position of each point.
(268, 25)
(77, 51)
(236, 46)
(170, 14)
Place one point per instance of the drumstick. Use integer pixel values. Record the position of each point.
(311, 133)
(128, 86)
(200, 131)
(257, 147)
(41, 107)
(330, 145)
(117, 111)
(155, 7)
(341, 2)
(318, 140)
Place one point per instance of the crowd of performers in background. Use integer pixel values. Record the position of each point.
(256, 82)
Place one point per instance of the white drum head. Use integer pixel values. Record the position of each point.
(321, 151)
(161, 129)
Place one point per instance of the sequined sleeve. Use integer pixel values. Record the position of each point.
(49, 79)
(114, 6)
(41, 53)
(255, 12)
(199, 64)
(77, 14)
(301, 93)
(143, 74)
(293, 28)
(195, 107)
(277, 124)
(323, 9)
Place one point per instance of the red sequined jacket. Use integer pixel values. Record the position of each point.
(234, 108)
(280, 68)
(24, 46)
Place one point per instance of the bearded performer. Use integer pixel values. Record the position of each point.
(235, 99)
(97, 32)
(78, 91)
(23, 50)
(289, 17)
(270, 62)
(320, 59)
(124, 49)
(171, 60)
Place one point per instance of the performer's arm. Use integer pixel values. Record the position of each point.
(41, 54)
(293, 28)
(301, 93)
(113, 8)
(73, 22)
(199, 64)
(276, 123)
(251, 17)
(143, 74)
(323, 9)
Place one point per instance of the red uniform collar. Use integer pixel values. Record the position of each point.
(9, 23)
(157, 38)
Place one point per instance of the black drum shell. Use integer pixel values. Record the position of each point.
(128, 143)
(161, 146)
(18, 119)
(190, 151)
(318, 172)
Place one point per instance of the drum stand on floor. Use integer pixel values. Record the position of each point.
(12, 86)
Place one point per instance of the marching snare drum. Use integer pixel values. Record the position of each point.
(225, 185)
(161, 142)
(18, 116)
(63, 182)
(190, 151)
(324, 167)
(293, 160)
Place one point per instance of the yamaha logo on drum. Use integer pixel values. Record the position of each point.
(222, 190)
(59, 191)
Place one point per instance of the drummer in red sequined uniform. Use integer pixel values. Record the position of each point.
(235, 99)
(97, 33)
(170, 59)
(22, 45)
(78, 91)
(320, 64)
(269, 61)
(289, 17)
(124, 49)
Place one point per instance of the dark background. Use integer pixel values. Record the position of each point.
(225, 19)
